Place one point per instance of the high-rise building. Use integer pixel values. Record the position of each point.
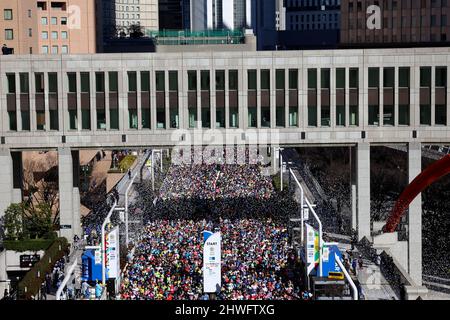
(137, 12)
(306, 15)
(48, 27)
(171, 14)
(382, 22)
(220, 14)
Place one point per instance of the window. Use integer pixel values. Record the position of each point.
(280, 83)
(340, 78)
(192, 80)
(251, 79)
(63, 21)
(30, 32)
(388, 77)
(72, 79)
(354, 78)
(403, 77)
(24, 83)
(63, 34)
(44, 21)
(265, 79)
(145, 81)
(204, 80)
(55, 35)
(173, 80)
(85, 82)
(64, 49)
(325, 78)
(160, 81)
(441, 77)
(293, 79)
(132, 81)
(8, 14)
(113, 112)
(9, 34)
(374, 77)
(425, 77)
(54, 49)
(44, 49)
(233, 80)
(99, 82)
(44, 35)
(312, 78)
(220, 80)
(54, 21)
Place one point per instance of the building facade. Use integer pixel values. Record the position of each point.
(306, 15)
(400, 22)
(136, 12)
(171, 14)
(48, 27)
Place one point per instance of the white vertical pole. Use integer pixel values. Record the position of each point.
(103, 250)
(153, 171)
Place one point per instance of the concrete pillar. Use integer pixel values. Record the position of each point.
(353, 188)
(363, 183)
(3, 276)
(415, 216)
(65, 173)
(6, 180)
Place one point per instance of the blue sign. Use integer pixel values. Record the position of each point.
(329, 263)
(91, 271)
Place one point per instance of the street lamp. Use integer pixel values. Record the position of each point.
(103, 249)
(126, 208)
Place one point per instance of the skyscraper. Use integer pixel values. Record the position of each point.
(171, 14)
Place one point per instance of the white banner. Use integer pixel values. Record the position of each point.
(113, 254)
(212, 277)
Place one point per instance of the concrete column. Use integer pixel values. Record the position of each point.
(6, 180)
(415, 216)
(65, 173)
(363, 190)
(3, 275)
(353, 188)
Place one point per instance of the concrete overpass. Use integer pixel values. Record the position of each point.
(290, 98)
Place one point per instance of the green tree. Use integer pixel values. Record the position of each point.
(13, 222)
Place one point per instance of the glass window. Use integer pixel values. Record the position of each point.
(44, 21)
(132, 82)
(173, 80)
(252, 117)
(24, 83)
(54, 49)
(65, 49)
(192, 117)
(441, 114)
(9, 34)
(340, 78)
(192, 80)
(25, 115)
(54, 21)
(40, 120)
(374, 115)
(325, 79)
(145, 81)
(85, 119)
(441, 77)
(425, 114)
(374, 77)
(114, 119)
(85, 87)
(233, 80)
(312, 116)
(251, 79)
(174, 118)
(101, 119)
(99, 82)
(145, 118)
(293, 115)
(113, 81)
(72, 79)
(12, 120)
(293, 79)
(160, 81)
(403, 77)
(312, 78)
(206, 117)
(403, 115)
(160, 118)
(425, 77)
(340, 115)
(11, 78)
(8, 14)
(279, 117)
(265, 79)
(388, 77)
(354, 78)
(63, 34)
(280, 83)
(63, 21)
(54, 121)
(204, 80)
(73, 119)
(234, 117)
(53, 82)
(220, 80)
(39, 82)
(133, 118)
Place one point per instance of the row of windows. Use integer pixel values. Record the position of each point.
(406, 22)
(405, 4)
(132, 8)
(53, 21)
(44, 35)
(317, 26)
(55, 49)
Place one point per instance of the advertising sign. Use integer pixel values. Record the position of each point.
(112, 253)
(329, 260)
(211, 262)
(312, 248)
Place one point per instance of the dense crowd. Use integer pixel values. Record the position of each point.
(257, 261)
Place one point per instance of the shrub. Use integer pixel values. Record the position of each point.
(31, 283)
(27, 245)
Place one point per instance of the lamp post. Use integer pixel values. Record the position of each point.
(126, 208)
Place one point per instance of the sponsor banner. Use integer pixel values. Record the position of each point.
(212, 262)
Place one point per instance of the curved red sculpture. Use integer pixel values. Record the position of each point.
(431, 174)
